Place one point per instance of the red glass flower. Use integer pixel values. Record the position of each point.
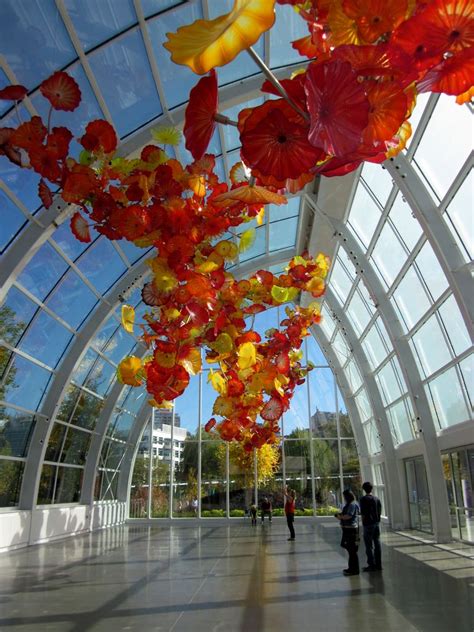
(275, 141)
(199, 122)
(338, 107)
(62, 91)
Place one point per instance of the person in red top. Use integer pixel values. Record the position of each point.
(290, 510)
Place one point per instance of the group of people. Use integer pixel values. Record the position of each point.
(369, 509)
(266, 510)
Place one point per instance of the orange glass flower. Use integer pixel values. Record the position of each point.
(275, 141)
(206, 44)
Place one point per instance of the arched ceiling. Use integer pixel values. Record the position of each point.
(63, 297)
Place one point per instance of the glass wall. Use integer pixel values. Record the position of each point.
(458, 466)
(316, 454)
(418, 495)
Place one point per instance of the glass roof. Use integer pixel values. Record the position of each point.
(56, 285)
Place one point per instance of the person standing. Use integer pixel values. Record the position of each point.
(290, 495)
(348, 519)
(266, 509)
(370, 511)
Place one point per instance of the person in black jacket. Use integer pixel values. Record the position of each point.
(370, 510)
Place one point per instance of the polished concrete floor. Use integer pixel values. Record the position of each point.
(219, 577)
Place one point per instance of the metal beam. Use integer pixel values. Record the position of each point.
(51, 405)
(424, 418)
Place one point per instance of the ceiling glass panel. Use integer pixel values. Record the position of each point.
(155, 6)
(72, 300)
(87, 411)
(389, 255)
(102, 265)
(95, 22)
(411, 310)
(43, 271)
(430, 346)
(421, 102)
(341, 348)
(25, 383)
(231, 133)
(314, 353)
(76, 446)
(378, 180)
(454, 325)
(368, 300)
(288, 27)
(363, 405)
(407, 226)
(441, 167)
(23, 183)
(282, 234)
(84, 366)
(15, 432)
(400, 422)
(122, 427)
(388, 383)
(372, 437)
(353, 376)
(177, 80)
(467, 372)
(100, 378)
(15, 314)
(374, 347)
(284, 211)
(447, 399)
(124, 75)
(119, 346)
(358, 313)
(34, 39)
(364, 215)
(459, 212)
(340, 281)
(132, 252)
(384, 333)
(65, 239)
(431, 271)
(12, 220)
(327, 324)
(45, 340)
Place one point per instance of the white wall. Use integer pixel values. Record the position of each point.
(22, 528)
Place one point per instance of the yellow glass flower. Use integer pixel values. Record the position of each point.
(247, 238)
(206, 44)
(166, 135)
(218, 383)
(247, 355)
(128, 371)
(128, 318)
